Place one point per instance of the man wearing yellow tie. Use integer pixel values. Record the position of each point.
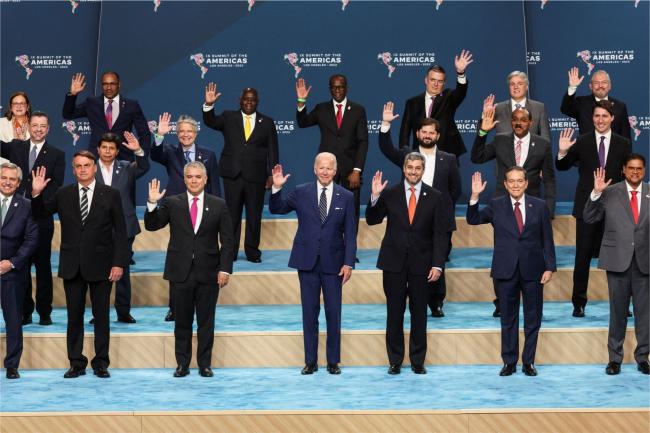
(249, 153)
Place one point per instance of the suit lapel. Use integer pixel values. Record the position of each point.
(336, 199)
(531, 150)
(422, 199)
(121, 112)
(99, 177)
(205, 216)
(98, 197)
(624, 201)
(330, 116)
(314, 197)
(509, 210)
(644, 203)
(12, 208)
(511, 149)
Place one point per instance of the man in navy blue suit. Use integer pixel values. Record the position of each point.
(19, 241)
(323, 252)
(110, 112)
(523, 261)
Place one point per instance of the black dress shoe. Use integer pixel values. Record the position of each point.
(126, 319)
(497, 312)
(356, 259)
(181, 371)
(643, 367)
(437, 311)
(131, 262)
(578, 311)
(333, 369)
(629, 313)
(256, 260)
(394, 369)
(529, 370)
(101, 372)
(27, 320)
(74, 373)
(170, 316)
(92, 321)
(508, 369)
(205, 372)
(12, 373)
(309, 369)
(613, 368)
(45, 321)
(418, 369)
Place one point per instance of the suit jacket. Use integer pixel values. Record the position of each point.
(622, 239)
(130, 116)
(581, 108)
(335, 240)
(413, 248)
(444, 111)
(539, 161)
(252, 159)
(19, 237)
(446, 177)
(93, 248)
(201, 248)
(53, 159)
(349, 144)
(532, 251)
(537, 110)
(173, 158)
(125, 174)
(585, 151)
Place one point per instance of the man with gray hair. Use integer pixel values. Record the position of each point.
(518, 88)
(411, 256)
(581, 108)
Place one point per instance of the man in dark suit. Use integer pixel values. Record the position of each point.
(93, 254)
(522, 262)
(412, 255)
(37, 152)
(441, 172)
(518, 88)
(582, 107)
(624, 255)
(19, 241)
(250, 150)
(343, 132)
(110, 112)
(440, 104)
(121, 175)
(323, 252)
(196, 267)
(601, 148)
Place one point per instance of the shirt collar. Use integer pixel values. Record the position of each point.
(522, 103)
(607, 135)
(524, 139)
(200, 196)
(9, 197)
(252, 115)
(192, 148)
(91, 186)
(328, 188)
(417, 186)
(115, 99)
(344, 103)
(601, 99)
(39, 146)
(630, 188)
(522, 201)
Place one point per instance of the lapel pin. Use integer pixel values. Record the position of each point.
(424, 193)
(532, 144)
(207, 209)
(259, 121)
(15, 204)
(200, 157)
(349, 108)
(530, 205)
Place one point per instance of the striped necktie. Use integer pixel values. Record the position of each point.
(322, 206)
(84, 204)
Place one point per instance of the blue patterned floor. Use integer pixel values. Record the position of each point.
(357, 388)
(355, 317)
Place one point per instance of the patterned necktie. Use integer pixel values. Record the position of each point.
(109, 114)
(412, 204)
(601, 151)
(84, 204)
(518, 152)
(32, 157)
(633, 204)
(194, 211)
(3, 210)
(322, 206)
(339, 115)
(519, 217)
(187, 156)
(247, 128)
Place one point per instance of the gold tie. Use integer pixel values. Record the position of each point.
(247, 128)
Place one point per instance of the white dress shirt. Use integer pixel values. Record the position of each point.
(39, 146)
(525, 147)
(429, 165)
(107, 172)
(329, 190)
(252, 120)
(513, 104)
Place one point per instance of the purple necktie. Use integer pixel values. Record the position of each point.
(109, 114)
(430, 110)
(601, 151)
(194, 211)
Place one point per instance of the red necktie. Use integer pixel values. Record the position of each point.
(635, 207)
(519, 218)
(109, 114)
(412, 204)
(194, 211)
(339, 115)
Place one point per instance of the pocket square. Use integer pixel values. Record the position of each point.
(338, 208)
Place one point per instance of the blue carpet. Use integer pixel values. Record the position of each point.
(358, 388)
(355, 317)
(277, 260)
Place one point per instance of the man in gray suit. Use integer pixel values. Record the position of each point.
(518, 88)
(624, 255)
(121, 175)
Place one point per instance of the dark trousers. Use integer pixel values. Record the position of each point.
(11, 299)
(588, 239)
(438, 291)
(622, 286)
(42, 262)
(123, 287)
(509, 292)
(343, 181)
(189, 297)
(75, 298)
(311, 283)
(240, 194)
(397, 287)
